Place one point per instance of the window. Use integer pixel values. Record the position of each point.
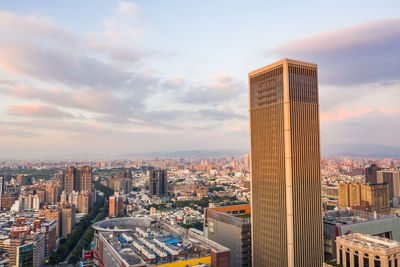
(211, 226)
(356, 260)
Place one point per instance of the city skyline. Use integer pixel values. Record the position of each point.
(101, 81)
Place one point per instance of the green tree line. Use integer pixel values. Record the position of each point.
(87, 238)
(66, 246)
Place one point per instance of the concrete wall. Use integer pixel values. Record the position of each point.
(229, 236)
(374, 227)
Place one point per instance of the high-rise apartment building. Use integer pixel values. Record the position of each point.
(246, 161)
(366, 197)
(285, 165)
(2, 187)
(124, 174)
(349, 195)
(116, 206)
(78, 179)
(84, 202)
(392, 178)
(59, 177)
(68, 214)
(70, 179)
(27, 250)
(52, 213)
(49, 231)
(84, 179)
(371, 174)
(7, 200)
(30, 202)
(15, 242)
(375, 197)
(25, 255)
(158, 183)
(24, 180)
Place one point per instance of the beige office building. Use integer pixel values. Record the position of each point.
(349, 194)
(392, 178)
(366, 197)
(285, 165)
(364, 250)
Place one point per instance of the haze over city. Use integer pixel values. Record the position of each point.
(118, 77)
(176, 133)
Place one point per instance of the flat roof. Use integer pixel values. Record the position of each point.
(144, 239)
(370, 241)
(282, 62)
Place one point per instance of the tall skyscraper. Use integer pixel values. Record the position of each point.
(52, 213)
(78, 179)
(84, 179)
(392, 178)
(158, 183)
(68, 215)
(116, 206)
(246, 161)
(70, 179)
(285, 165)
(366, 197)
(2, 187)
(371, 173)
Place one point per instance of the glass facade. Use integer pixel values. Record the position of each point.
(285, 165)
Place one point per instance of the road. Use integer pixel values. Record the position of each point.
(70, 254)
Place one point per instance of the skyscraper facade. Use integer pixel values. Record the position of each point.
(246, 161)
(158, 183)
(68, 215)
(365, 197)
(285, 165)
(78, 179)
(69, 179)
(371, 173)
(84, 181)
(2, 188)
(392, 178)
(116, 206)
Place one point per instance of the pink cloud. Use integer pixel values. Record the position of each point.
(362, 54)
(29, 26)
(34, 110)
(342, 114)
(349, 37)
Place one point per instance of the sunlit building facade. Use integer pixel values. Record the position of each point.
(285, 165)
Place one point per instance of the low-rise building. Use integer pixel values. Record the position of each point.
(365, 250)
(230, 226)
(143, 241)
(338, 223)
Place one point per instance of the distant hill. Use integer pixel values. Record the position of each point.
(360, 150)
(187, 154)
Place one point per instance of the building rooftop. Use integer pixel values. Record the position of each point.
(279, 63)
(369, 242)
(234, 215)
(139, 240)
(340, 217)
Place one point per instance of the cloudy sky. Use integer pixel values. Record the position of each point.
(115, 77)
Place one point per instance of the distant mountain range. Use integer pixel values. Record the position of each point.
(360, 150)
(188, 154)
(342, 149)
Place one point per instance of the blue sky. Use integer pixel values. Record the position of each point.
(113, 77)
